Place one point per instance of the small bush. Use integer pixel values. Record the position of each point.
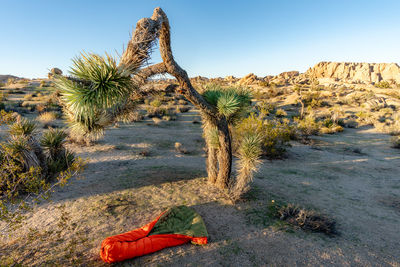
(275, 135)
(280, 113)
(23, 127)
(156, 103)
(306, 219)
(47, 117)
(395, 141)
(28, 97)
(182, 109)
(382, 84)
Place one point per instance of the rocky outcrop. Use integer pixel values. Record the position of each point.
(249, 79)
(355, 72)
(53, 72)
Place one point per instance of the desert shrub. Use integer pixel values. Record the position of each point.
(10, 81)
(58, 157)
(306, 219)
(6, 117)
(23, 127)
(2, 84)
(365, 118)
(312, 98)
(275, 134)
(395, 141)
(47, 117)
(382, 84)
(182, 102)
(182, 109)
(308, 125)
(156, 112)
(280, 113)
(328, 126)
(42, 84)
(28, 97)
(26, 173)
(156, 103)
(3, 96)
(264, 108)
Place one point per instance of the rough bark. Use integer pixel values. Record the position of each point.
(212, 164)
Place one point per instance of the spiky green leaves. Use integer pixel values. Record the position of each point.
(231, 102)
(97, 83)
(250, 148)
(23, 127)
(53, 142)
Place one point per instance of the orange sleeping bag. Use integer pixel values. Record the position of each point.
(175, 226)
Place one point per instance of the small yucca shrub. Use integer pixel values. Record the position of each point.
(58, 157)
(23, 127)
(249, 152)
(53, 141)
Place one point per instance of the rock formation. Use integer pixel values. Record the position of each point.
(355, 72)
(249, 79)
(53, 72)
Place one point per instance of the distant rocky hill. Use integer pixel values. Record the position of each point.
(4, 78)
(356, 72)
(331, 73)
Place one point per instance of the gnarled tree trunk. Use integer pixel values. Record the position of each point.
(138, 50)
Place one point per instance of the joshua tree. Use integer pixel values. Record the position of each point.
(100, 91)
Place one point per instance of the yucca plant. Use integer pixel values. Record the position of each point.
(232, 102)
(249, 153)
(23, 127)
(53, 142)
(58, 157)
(23, 151)
(96, 85)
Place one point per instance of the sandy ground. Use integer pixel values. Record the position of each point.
(353, 177)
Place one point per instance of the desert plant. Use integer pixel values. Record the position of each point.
(249, 152)
(280, 113)
(156, 103)
(395, 141)
(306, 219)
(11, 81)
(47, 117)
(23, 127)
(96, 84)
(275, 135)
(382, 84)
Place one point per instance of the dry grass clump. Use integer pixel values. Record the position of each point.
(182, 109)
(395, 141)
(28, 97)
(179, 148)
(306, 219)
(280, 113)
(47, 117)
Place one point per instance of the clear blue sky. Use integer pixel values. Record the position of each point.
(209, 38)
